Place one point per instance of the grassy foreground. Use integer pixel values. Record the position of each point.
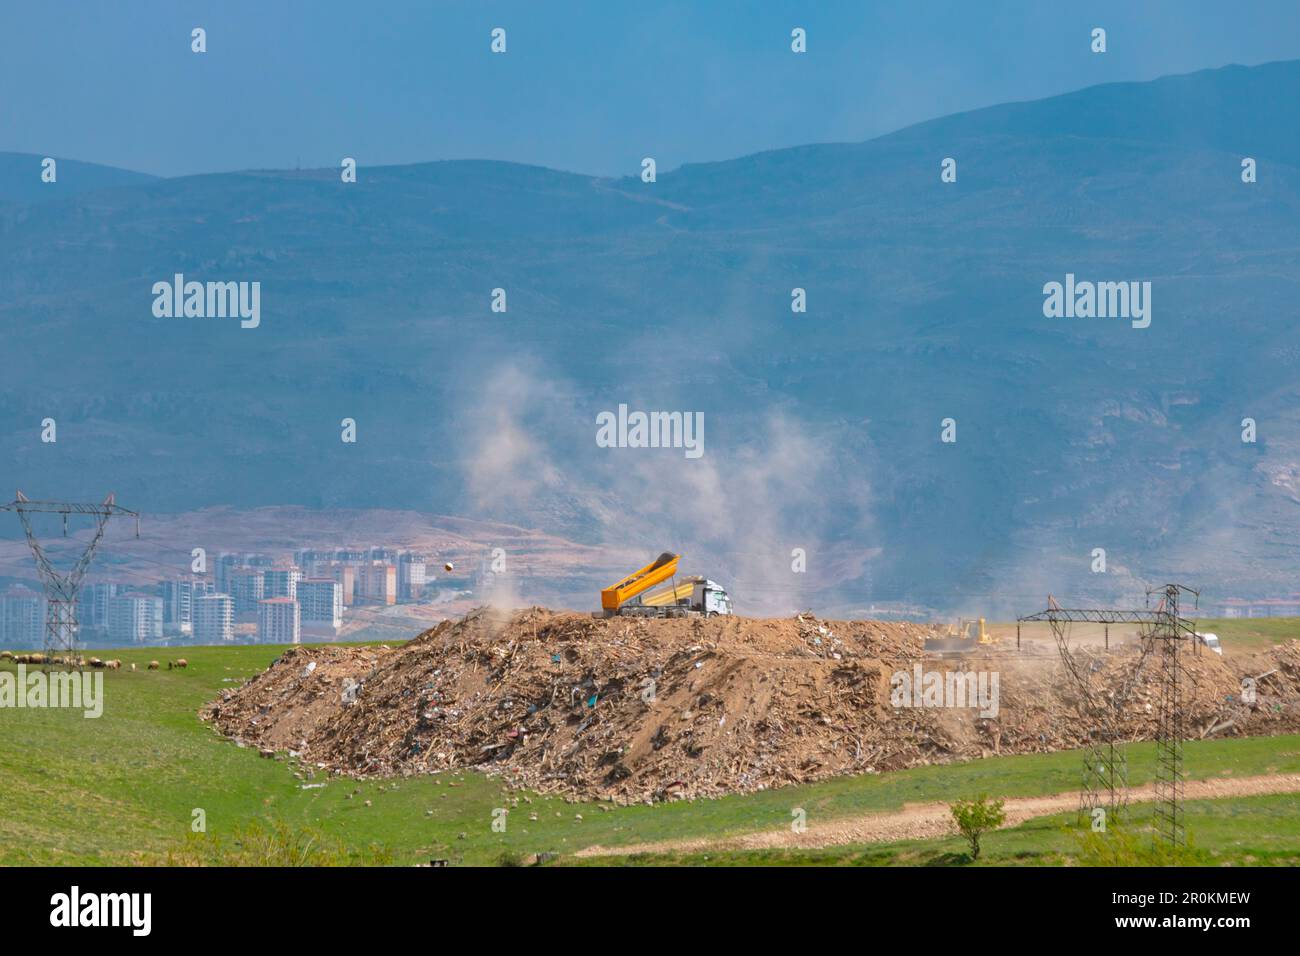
(1246, 831)
(124, 788)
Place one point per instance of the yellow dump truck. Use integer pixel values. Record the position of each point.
(636, 594)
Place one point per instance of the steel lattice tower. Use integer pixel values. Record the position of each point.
(62, 589)
(1170, 634)
(1105, 775)
(1105, 764)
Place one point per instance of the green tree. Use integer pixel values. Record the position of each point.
(974, 817)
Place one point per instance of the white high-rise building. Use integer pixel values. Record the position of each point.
(135, 618)
(92, 604)
(214, 619)
(281, 581)
(279, 621)
(320, 601)
(247, 587)
(411, 572)
(178, 596)
(22, 618)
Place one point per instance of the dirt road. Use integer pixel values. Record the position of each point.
(925, 820)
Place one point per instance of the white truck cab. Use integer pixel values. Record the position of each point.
(1211, 641)
(715, 599)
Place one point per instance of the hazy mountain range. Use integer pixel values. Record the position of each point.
(924, 302)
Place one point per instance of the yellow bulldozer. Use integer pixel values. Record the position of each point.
(967, 634)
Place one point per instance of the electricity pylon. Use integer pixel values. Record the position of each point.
(1105, 764)
(1171, 632)
(62, 588)
(1163, 629)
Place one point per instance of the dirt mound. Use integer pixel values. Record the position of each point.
(636, 709)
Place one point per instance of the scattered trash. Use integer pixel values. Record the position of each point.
(350, 689)
(783, 701)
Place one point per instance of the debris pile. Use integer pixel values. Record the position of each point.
(640, 709)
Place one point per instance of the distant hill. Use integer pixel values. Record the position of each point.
(20, 178)
(822, 429)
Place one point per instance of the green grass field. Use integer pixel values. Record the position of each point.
(123, 788)
(1252, 633)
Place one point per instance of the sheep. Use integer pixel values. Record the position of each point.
(182, 663)
(96, 662)
(6, 655)
(153, 665)
(133, 665)
(113, 665)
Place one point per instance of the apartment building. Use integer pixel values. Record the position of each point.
(135, 618)
(22, 618)
(279, 621)
(247, 588)
(178, 597)
(346, 576)
(377, 582)
(320, 603)
(281, 581)
(411, 575)
(214, 618)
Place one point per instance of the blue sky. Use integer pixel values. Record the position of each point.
(585, 86)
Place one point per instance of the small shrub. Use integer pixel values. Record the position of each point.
(976, 816)
(1124, 846)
